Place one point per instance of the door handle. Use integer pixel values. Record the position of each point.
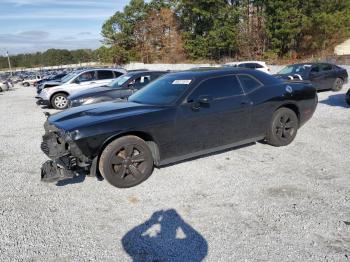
(246, 103)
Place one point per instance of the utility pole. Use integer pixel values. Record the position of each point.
(8, 59)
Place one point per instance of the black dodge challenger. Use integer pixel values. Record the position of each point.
(178, 116)
(323, 76)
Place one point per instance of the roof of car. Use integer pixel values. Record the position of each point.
(136, 73)
(201, 74)
(204, 72)
(313, 63)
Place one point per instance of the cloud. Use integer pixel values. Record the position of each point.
(66, 14)
(78, 3)
(33, 41)
(34, 34)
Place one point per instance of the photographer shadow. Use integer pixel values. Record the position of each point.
(165, 237)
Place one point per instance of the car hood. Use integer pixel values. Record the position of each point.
(94, 114)
(90, 92)
(51, 83)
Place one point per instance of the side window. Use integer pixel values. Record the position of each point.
(141, 81)
(315, 69)
(258, 66)
(87, 76)
(219, 87)
(117, 74)
(247, 65)
(105, 74)
(249, 83)
(326, 67)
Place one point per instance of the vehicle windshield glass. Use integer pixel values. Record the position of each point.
(294, 69)
(69, 77)
(163, 91)
(117, 83)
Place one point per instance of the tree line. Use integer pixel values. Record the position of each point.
(211, 30)
(171, 31)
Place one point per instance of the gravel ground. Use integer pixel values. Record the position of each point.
(256, 203)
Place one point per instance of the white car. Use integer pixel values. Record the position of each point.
(55, 94)
(4, 86)
(257, 65)
(32, 81)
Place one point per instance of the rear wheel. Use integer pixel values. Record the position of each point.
(283, 128)
(126, 162)
(59, 101)
(338, 84)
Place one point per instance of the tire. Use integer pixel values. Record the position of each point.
(283, 128)
(338, 84)
(126, 162)
(59, 101)
(26, 84)
(347, 98)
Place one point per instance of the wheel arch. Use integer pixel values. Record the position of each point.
(150, 141)
(58, 92)
(292, 107)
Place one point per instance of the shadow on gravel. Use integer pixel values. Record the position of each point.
(75, 180)
(165, 237)
(336, 100)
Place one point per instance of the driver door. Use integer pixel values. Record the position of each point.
(84, 81)
(318, 78)
(215, 114)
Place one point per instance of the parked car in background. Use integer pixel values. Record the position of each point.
(56, 95)
(121, 88)
(178, 116)
(347, 97)
(31, 81)
(56, 77)
(323, 76)
(256, 65)
(3, 86)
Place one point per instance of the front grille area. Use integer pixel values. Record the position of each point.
(54, 146)
(45, 148)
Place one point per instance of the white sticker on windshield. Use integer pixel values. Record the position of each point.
(182, 82)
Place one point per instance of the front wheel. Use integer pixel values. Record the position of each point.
(283, 128)
(126, 162)
(338, 84)
(347, 98)
(59, 101)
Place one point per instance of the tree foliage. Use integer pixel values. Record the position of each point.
(176, 30)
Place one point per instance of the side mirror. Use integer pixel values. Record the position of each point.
(202, 101)
(77, 81)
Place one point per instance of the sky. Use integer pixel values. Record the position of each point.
(28, 26)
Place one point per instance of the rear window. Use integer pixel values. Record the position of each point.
(249, 83)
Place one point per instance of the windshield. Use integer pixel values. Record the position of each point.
(69, 77)
(163, 91)
(294, 69)
(119, 81)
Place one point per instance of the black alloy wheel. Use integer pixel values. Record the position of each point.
(126, 162)
(284, 127)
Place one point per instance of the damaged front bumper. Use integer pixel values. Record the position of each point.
(67, 160)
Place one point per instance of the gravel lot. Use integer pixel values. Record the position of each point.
(256, 203)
